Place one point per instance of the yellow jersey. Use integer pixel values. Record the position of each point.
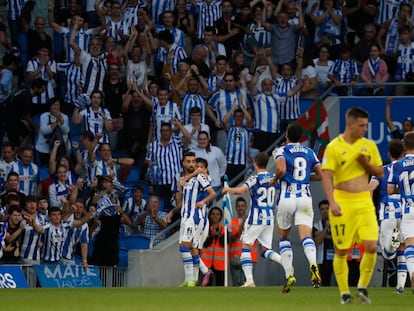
(341, 158)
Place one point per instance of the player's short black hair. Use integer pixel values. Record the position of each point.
(396, 148)
(294, 132)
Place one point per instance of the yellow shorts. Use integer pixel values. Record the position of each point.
(358, 221)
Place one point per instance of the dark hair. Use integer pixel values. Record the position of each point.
(210, 29)
(188, 154)
(52, 209)
(15, 174)
(165, 35)
(208, 148)
(216, 208)
(53, 100)
(166, 124)
(30, 198)
(38, 83)
(12, 197)
(203, 161)
(221, 57)
(261, 159)
(7, 144)
(356, 112)
(294, 132)
(88, 134)
(323, 202)
(195, 109)
(396, 148)
(240, 199)
(14, 208)
(9, 59)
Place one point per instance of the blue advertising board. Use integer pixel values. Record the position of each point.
(401, 108)
(67, 276)
(12, 277)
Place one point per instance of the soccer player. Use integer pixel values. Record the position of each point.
(401, 176)
(294, 166)
(348, 161)
(193, 210)
(260, 221)
(389, 215)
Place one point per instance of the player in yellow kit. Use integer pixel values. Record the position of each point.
(348, 161)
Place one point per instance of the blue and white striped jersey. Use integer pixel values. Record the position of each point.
(266, 112)
(3, 232)
(95, 123)
(5, 168)
(167, 158)
(49, 92)
(387, 9)
(58, 190)
(288, 106)
(405, 61)
(15, 9)
(177, 34)
(300, 162)
(189, 101)
(74, 236)
(130, 16)
(263, 199)
(208, 14)
(179, 55)
(133, 209)
(164, 114)
(30, 241)
(73, 79)
(215, 83)
(401, 174)
(237, 145)
(222, 101)
(54, 238)
(160, 6)
(116, 29)
(81, 39)
(28, 177)
(101, 168)
(194, 191)
(93, 72)
(389, 205)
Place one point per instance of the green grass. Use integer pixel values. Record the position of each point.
(210, 298)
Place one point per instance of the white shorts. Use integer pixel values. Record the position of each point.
(262, 233)
(298, 209)
(407, 226)
(201, 233)
(192, 232)
(386, 228)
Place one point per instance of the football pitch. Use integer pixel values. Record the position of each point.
(199, 298)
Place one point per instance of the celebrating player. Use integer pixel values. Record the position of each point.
(260, 222)
(294, 165)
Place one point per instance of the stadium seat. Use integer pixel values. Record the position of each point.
(134, 242)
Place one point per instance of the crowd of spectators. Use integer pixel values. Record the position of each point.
(89, 89)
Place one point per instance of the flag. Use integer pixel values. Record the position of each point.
(315, 128)
(228, 211)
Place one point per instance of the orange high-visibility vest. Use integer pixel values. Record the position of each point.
(235, 248)
(213, 255)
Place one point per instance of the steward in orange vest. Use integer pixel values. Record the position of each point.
(213, 252)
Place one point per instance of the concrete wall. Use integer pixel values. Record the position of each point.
(162, 266)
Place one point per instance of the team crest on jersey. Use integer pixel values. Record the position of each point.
(339, 241)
